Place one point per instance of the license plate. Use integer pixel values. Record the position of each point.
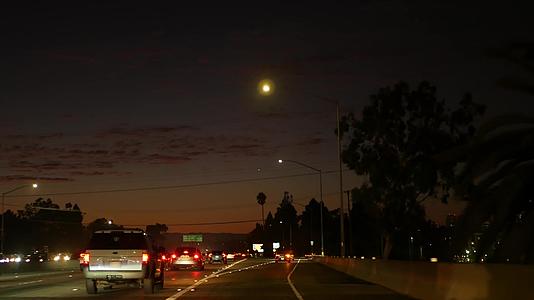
(111, 277)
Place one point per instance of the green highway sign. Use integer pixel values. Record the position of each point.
(195, 238)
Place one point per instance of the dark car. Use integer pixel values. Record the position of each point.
(187, 258)
(217, 257)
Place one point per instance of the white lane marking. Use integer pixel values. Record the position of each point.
(193, 286)
(295, 291)
(21, 283)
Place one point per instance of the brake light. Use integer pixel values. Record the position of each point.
(224, 255)
(210, 255)
(173, 256)
(186, 252)
(196, 256)
(145, 258)
(84, 258)
(163, 257)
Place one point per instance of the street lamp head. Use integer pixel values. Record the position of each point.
(280, 161)
(35, 185)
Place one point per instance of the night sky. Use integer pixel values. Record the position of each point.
(106, 96)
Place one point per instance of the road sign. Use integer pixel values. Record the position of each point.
(257, 247)
(195, 238)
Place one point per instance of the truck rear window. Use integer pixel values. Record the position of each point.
(118, 240)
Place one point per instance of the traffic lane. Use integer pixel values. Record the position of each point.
(316, 281)
(258, 279)
(36, 286)
(14, 280)
(68, 286)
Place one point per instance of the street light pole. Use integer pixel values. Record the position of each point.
(320, 191)
(322, 205)
(341, 212)
(2, 234)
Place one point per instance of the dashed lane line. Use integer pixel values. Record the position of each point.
(193, 286)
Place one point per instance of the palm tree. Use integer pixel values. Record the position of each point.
(261, 201)
(496, 178)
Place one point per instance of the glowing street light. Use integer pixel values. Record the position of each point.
(2, 237)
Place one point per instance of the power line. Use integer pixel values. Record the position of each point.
(141, 225)
(201, 224)
(168, 187)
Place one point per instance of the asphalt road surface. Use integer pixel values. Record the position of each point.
(246, 279)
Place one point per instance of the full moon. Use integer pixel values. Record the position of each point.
(265, 87)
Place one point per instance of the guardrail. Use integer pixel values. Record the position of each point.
(426, 280)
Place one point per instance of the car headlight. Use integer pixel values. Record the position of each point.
(57, 258)
(66, 257)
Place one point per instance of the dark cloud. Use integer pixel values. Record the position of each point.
(98, 173)
(143, 132)
(311, 141)
(120, 146)
(33, 136)
(243, 146)
(12, 178)
(157, 158)
(58, 165)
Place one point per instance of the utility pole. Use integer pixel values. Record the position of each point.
(341, 212)
(351, 247)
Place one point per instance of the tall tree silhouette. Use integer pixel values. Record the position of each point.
(261, 198)
(393, 143)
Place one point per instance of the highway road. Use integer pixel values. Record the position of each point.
(246, 279)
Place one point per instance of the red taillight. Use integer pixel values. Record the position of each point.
(196, 256)
(163, 257)
(173, 256)
(145, 258)
(84, 258)
(210, 255)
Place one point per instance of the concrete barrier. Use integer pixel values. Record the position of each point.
(449, 281)
(49, 266)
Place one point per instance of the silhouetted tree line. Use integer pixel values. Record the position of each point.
(411, 147)
(44, 224)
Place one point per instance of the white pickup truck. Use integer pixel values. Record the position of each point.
(121, 256)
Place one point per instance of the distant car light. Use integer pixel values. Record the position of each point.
(18, 259)
(66, 258)
(57, 258)
(173, 256)
(434, 259)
